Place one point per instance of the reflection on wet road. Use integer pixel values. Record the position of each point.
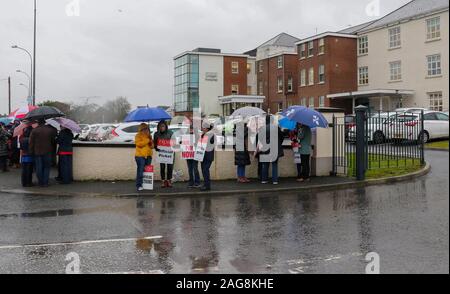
(327, 232)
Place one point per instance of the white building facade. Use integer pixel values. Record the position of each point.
(406, 53)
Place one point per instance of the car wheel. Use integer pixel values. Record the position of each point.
(424, 137)
(378, 137)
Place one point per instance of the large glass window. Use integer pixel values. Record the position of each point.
(363, 45)
(311, 76)
(280, 84)
(303, 77)
(436, 102)
(363, 75)
(321, 74)
(434, 65)
(235, 67)
(433, 28)
(396, 70)
(280, 61)
(394, 37)
(321, 46)
(186, 96)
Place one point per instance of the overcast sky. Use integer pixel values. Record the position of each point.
(125, 47)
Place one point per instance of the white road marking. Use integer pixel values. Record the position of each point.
(78, 243)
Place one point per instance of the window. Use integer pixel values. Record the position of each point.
(235, 67)
(260, 66)
(280, 84)
(436, 102)
(249, 68)
(396, 70)
(302, 51)
(303, 102)
(280, 107)
(321, 74)
(311, 76)
(322, 101)
(311, 102)
(234, 89)
(290, 84)
(303, 78)
(363, 45)
(310, 49)
(442, 116)
(260, 88)
(280, 61)
(321, 46)
(430, 116)
(364, 75)
(433, 28)
(394, 38)
(434, 65)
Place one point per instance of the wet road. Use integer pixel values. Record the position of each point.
(407, 224)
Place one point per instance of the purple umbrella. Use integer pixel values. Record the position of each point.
(65, 123)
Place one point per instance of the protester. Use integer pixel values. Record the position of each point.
(269, 149)
(163, 133)
(208, 137)
(192, 164)
(4, 152)
(241, 154)
(304, 139)
(25, 158)
(14, 148)
(65, 156)
(42, 140)
(143, 154)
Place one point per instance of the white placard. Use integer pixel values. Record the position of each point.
(165, 153)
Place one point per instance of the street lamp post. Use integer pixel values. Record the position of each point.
(34, 57)
(25, 86)
(29, 81)
(31, 67)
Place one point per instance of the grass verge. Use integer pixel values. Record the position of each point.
(438, 144)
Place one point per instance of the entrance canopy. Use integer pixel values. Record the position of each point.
(233, 102)
(379, 99)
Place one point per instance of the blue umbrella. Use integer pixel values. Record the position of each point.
(286, 123)
(306, 116)
(5, 120)
(145, 114)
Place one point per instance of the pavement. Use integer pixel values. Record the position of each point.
(405, 223)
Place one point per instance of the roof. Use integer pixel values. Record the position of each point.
(323, 35)
(413, 9)
(282, 40)
(371, 93)
(355, 29)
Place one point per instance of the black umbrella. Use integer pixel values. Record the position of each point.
(43, 113)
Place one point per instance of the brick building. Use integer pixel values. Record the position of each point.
(327, 63)
(276, 66)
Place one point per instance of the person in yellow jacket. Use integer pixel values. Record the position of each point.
(144, 153)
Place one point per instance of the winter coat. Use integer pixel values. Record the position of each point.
(209, 155)
(264, 147)
(42, 140)
(4, 137)
(304, 139)
(64, 141)
(242, 157)
(144, 144)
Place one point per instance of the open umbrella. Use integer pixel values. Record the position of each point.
(65, 123)
(247, 111)
(306, 116)
(5, 120)
(43, 113)
(21, 112)
(18, 131)
(145, 114)
(286, 123)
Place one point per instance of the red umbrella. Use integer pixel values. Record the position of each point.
(18, 131)
(21, 112)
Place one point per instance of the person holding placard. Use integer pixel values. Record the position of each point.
(163, 145)
(205, 152)
(304, 136)
(188, 153)
(143, 154)
(241, 153)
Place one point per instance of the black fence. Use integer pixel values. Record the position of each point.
(387, 142)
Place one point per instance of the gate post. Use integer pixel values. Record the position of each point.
(360, 142)
(422, 144)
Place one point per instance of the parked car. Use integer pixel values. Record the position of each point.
(411, 109)
(85, 129)
(92, 132)
(377, 128)
(103, 132)
(435, 127)
(350, 122)
(126, 132)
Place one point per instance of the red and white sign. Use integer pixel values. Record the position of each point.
(187, 147)
(165, 151)
(297, 157)
(147, 181)
(21, 112)
(200, 150)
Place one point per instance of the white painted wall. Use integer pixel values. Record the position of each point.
(412, 54)
(210, 91)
